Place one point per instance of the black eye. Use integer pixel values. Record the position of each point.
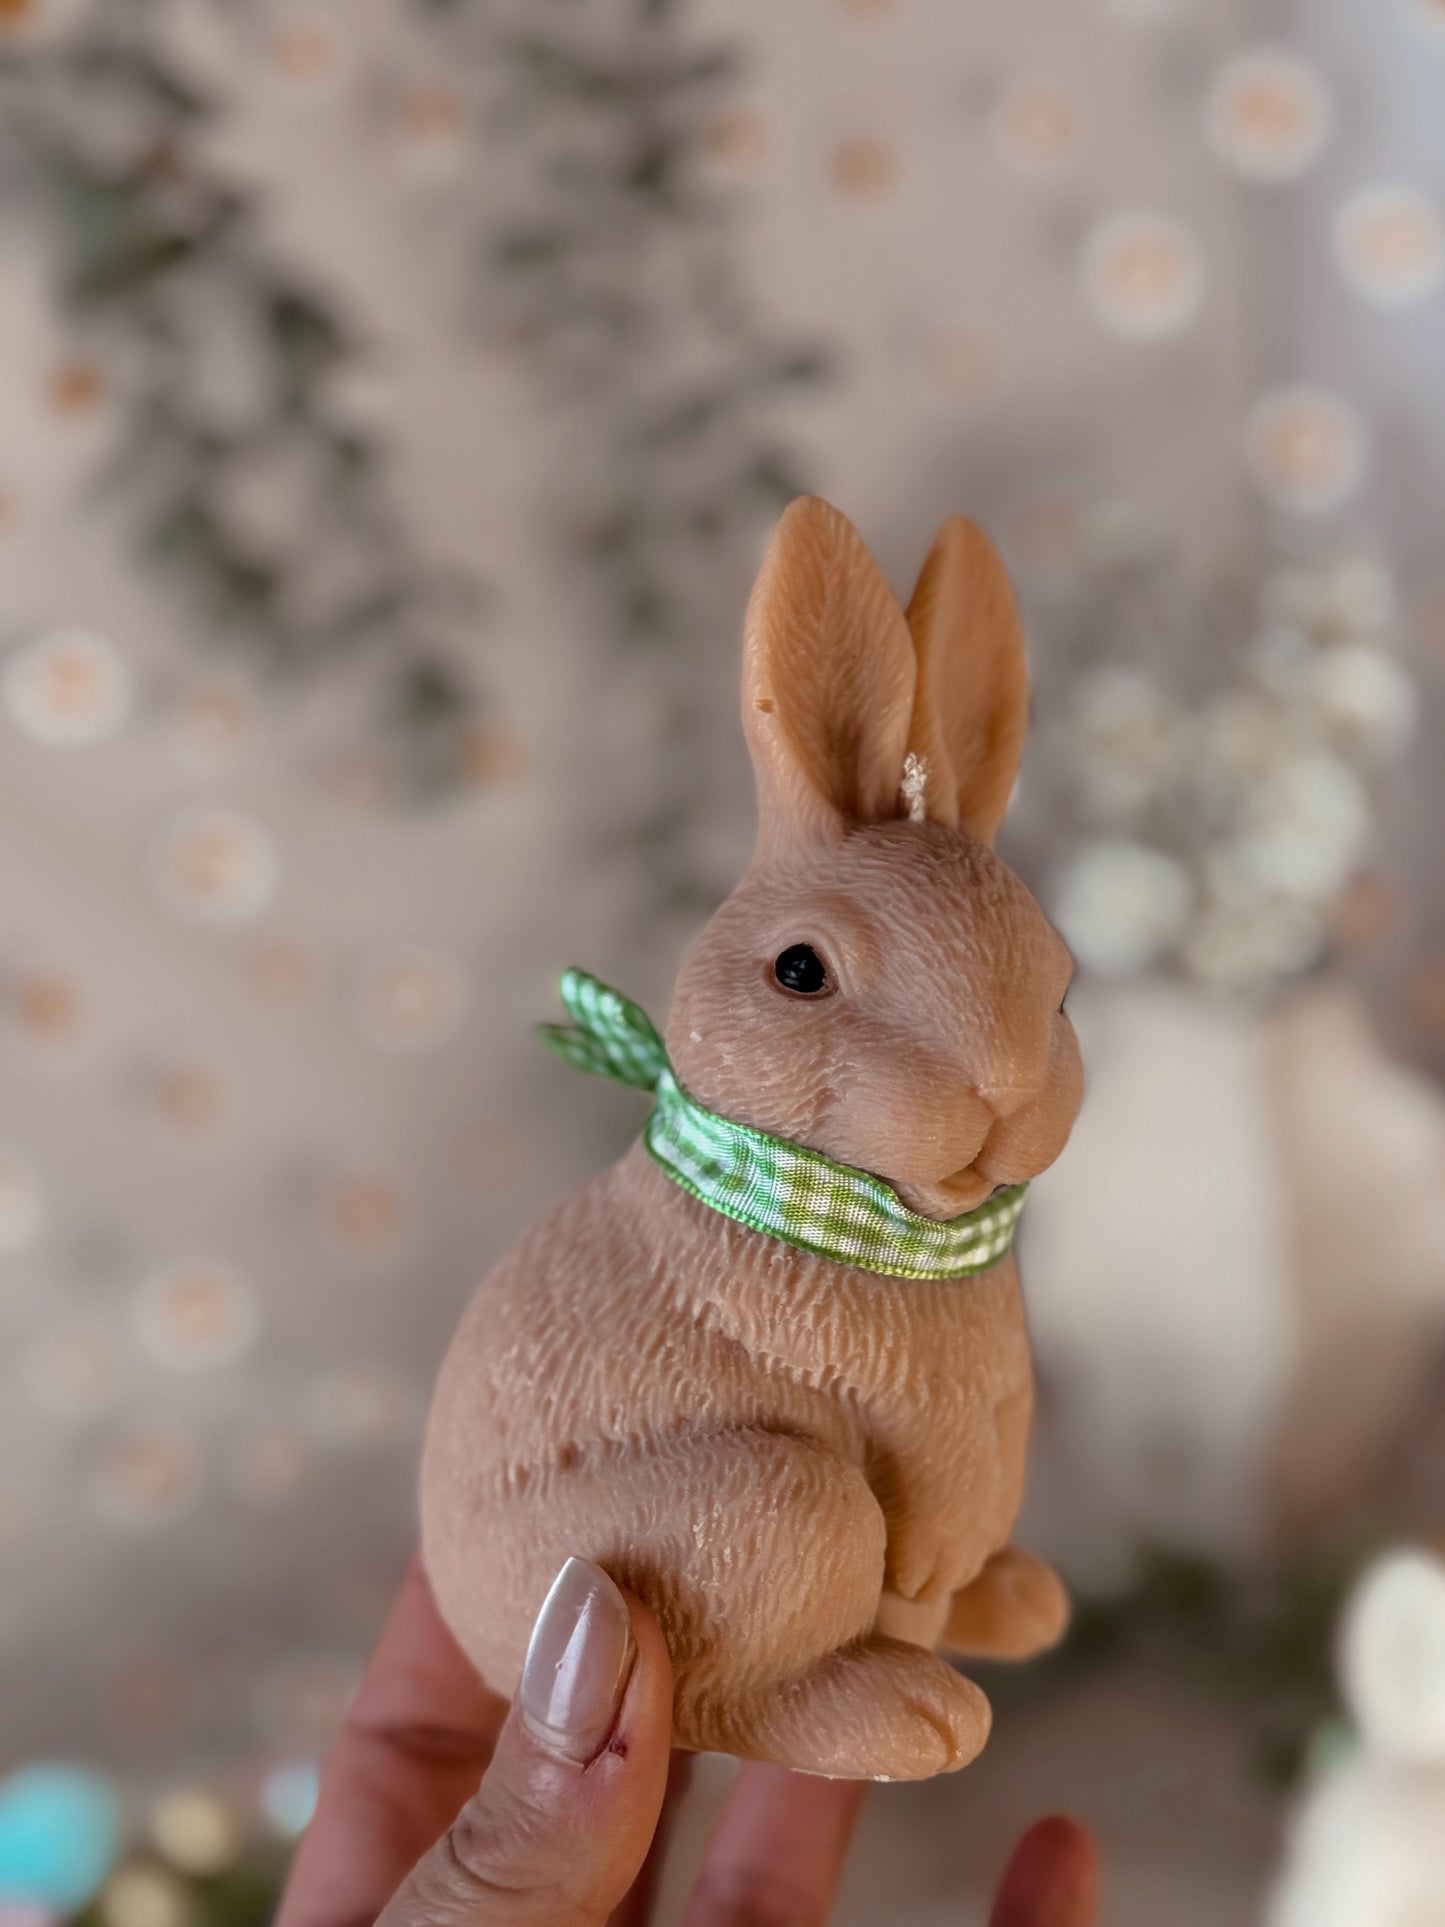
(800, 969)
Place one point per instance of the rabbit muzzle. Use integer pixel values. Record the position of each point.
(1022, 1137)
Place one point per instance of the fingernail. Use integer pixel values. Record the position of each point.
(577, 1663)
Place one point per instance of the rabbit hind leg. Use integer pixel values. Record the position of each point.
(770, 1608)
(757, 1550)
(762, 1555)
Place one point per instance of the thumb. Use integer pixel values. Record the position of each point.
(563, 1818)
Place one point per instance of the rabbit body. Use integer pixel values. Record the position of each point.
(1366, 1851)
(781, 1454)
(809, 1470)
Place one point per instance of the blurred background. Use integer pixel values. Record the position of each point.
(395, 397)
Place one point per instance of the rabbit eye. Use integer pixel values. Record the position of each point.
(800, 969)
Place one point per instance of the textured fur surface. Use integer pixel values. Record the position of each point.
(809, 1471)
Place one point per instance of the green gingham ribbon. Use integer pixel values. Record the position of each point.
(770, 1183)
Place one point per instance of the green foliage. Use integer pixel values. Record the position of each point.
(1259, 1645)
(616, 263)
(245, 1895)
(148, 226)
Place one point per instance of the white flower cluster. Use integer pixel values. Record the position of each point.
(1220, 827)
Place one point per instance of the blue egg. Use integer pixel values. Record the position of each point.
(59, 1836)
(289, 1797)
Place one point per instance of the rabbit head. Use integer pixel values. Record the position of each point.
(880, 986)
(1392, 1657)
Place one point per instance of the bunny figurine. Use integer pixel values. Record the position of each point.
(1367, 1847)
(771, 1369)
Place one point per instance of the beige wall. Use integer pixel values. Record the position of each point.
(217, 1528)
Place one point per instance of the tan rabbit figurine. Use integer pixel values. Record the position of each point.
(771, 1369)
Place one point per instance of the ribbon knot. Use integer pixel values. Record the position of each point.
(608, 1035)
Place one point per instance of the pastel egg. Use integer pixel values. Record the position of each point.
(59, 1834)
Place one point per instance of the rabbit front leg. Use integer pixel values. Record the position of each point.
(949, 1494)
(928, 1560)
(967, 1597)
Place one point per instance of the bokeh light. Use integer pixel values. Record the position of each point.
(1143, 275)
(1305, 447)
(1269, 114)
(67, 687)
(1389, 243)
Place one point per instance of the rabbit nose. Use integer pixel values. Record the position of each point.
(1009, 1073)
(1002, 1100)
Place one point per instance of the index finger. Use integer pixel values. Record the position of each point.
(412, 1748)
(777, 1849)
(1052, 1879)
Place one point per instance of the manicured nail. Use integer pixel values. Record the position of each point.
(577, 1663)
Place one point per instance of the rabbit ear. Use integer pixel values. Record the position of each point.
(973, 692)
(1392, 1656)
(828, 679)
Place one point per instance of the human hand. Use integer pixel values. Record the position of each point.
(570, 1820)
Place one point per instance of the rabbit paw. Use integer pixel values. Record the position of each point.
(1016, 1607)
